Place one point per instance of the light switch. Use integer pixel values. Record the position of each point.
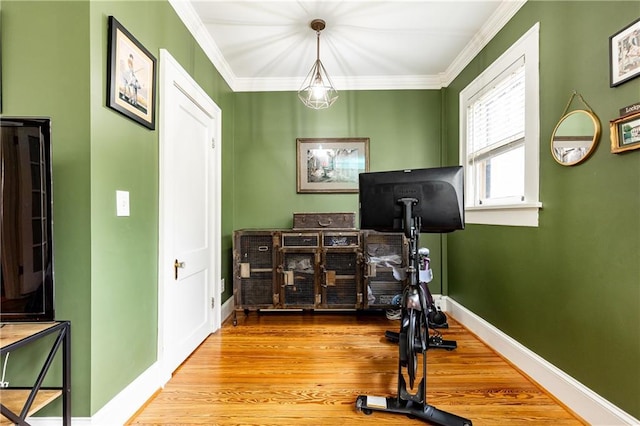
(122, 203)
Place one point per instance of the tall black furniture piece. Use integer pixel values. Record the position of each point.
(17, 403)
(26, 220)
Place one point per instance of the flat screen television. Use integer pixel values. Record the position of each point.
(439, 193)
(26, 246)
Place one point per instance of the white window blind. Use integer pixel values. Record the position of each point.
(495, 137)
(496, 114)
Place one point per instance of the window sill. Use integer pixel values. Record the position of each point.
(507, 215)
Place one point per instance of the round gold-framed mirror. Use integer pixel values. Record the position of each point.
(575, 137)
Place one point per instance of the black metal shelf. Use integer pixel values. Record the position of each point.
(20, 402)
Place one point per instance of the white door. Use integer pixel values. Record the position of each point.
(189, 260)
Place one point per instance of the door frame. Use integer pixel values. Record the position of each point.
(172, 74)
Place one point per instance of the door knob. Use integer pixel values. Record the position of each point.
(177, 265)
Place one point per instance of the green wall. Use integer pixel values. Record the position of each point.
(570, 289)
(45, 72)
(124, 155)
(54, 59)
(404, 132)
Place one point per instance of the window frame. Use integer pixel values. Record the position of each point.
(524, 213)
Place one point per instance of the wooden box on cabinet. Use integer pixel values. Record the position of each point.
(302, 221)
(385, 261)
(255, 257)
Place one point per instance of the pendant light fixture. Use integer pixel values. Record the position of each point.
(317, 91)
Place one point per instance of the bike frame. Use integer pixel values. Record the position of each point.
(413, 326)
(413, 323)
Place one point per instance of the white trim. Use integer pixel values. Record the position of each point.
(396, 82)
(492, 26)
(57, 421)
(518, 215)
(187, 14)
(172, 74)
(527, 47)
(577, 397)
(227, 309)
(124, 405)
(121, 407)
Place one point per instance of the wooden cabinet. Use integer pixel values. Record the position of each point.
(318, 269)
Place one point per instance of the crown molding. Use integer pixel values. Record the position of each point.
(400, 82)
(188, 15)
(196, 27)
(495, 23)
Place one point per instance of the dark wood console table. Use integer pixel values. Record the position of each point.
(17, 403)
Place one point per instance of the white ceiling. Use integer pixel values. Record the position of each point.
(415, 44)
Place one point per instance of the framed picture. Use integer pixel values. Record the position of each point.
(131, 76)
(624, 54)
(331, 165)
(625, 133)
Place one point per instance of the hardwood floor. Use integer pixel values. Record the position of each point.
(308, 368)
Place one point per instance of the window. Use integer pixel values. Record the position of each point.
(500, 138)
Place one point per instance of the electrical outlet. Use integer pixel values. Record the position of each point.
(222, 288)
(4, 384)
(122, 203)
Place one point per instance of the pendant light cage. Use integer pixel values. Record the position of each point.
(317, 91)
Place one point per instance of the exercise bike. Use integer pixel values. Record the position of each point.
(413, 342)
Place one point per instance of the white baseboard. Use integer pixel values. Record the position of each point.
(580, 399)
(227, 309)
(57, 421)
(122, 407)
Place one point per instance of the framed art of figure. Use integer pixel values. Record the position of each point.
(624, 54)
(331, 165)
(131, 76)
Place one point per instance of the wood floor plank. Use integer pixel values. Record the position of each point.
(309, 368)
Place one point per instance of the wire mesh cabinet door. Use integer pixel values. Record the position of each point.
(255, 255)
(385, 262)
(299, 279)
(299, 270)
(341, 270)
